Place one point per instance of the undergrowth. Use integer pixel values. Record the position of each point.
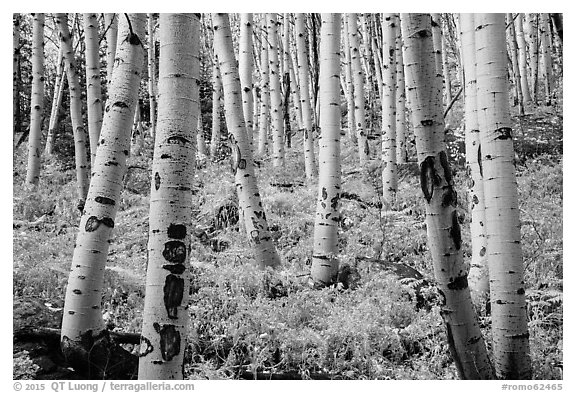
(246, 321)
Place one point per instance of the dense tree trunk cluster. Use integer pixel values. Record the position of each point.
(316, 84)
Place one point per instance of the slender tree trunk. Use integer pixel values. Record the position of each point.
(389, 170)
(401, 129)
(508, 303)
(286, 80)
(437, 38)
(303, 72)
(513, 46)
(446, 70)
(93, 88)
(137, 131)
(325, 253)
(349, 83)
(165, 317)
(250, 203)
(531, 28)
(478, 275)
(111, 21)
(55, 112)
(422, 84)
(216, 102)
(36, 101)
(16, 75)
(358, 78)
(522, 59)
(377, 65)
(265, 102)
(82, 180)
(82, 326)
(546, 57)
(152, 74)
(276, 112)
(246, 65)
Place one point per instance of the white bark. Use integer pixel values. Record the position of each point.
(325, 253)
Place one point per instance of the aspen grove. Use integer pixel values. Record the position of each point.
(288, 196)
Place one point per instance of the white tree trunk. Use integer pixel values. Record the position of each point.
(82, 180)
(478, 275)
(165, 317)
(509, 320)
(93, 86)
(389, 170)
(82, 308)
(325, 253)
(245, 66)
(252, 213)
(276, 110)
(305, 102)
(443, 229)
(36, 101)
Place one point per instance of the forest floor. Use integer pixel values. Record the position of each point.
(247, 323)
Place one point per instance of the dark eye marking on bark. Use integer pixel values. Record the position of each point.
(460, 282)
(480, 160)
(505, 133)
(157, 181)
(169, 340)
(177, 231)
(94, 222)
(173, 294)
(120, 104)
(175, 269)
(105, 200)
(174, 251)
(334, 201)
(449, 197)
(427, 178)
(165, 156)
(455, 232)
(427, 122)
(324, 193)
(446, 166)
(255, 236)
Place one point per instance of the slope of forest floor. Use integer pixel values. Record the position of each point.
(382, 322)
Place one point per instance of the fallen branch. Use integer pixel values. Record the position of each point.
(454, 99)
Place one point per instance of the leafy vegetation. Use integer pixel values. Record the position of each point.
(248, 323)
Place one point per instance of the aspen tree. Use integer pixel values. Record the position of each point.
(377, 64)
(437, 38)
(152, 74)
(83, 325)
(446, 70)
(513, 50)
(358, 79)
(249, 200)
(16, 74)
(508, 303)
(216, 102)
(93, 87)
(522, 58)
(276, 111)
(389, 171)
(56, 104)
(531, 29)
(325, 253)
(245, 66)
(111, 21)
(36, 101)
(264, 121)
(287, 81)
(349, 90)
(424, 88)
(546, 56)
(401, 150)
(165, 317)
(478, 275)
(82, 181)
(306, 106)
